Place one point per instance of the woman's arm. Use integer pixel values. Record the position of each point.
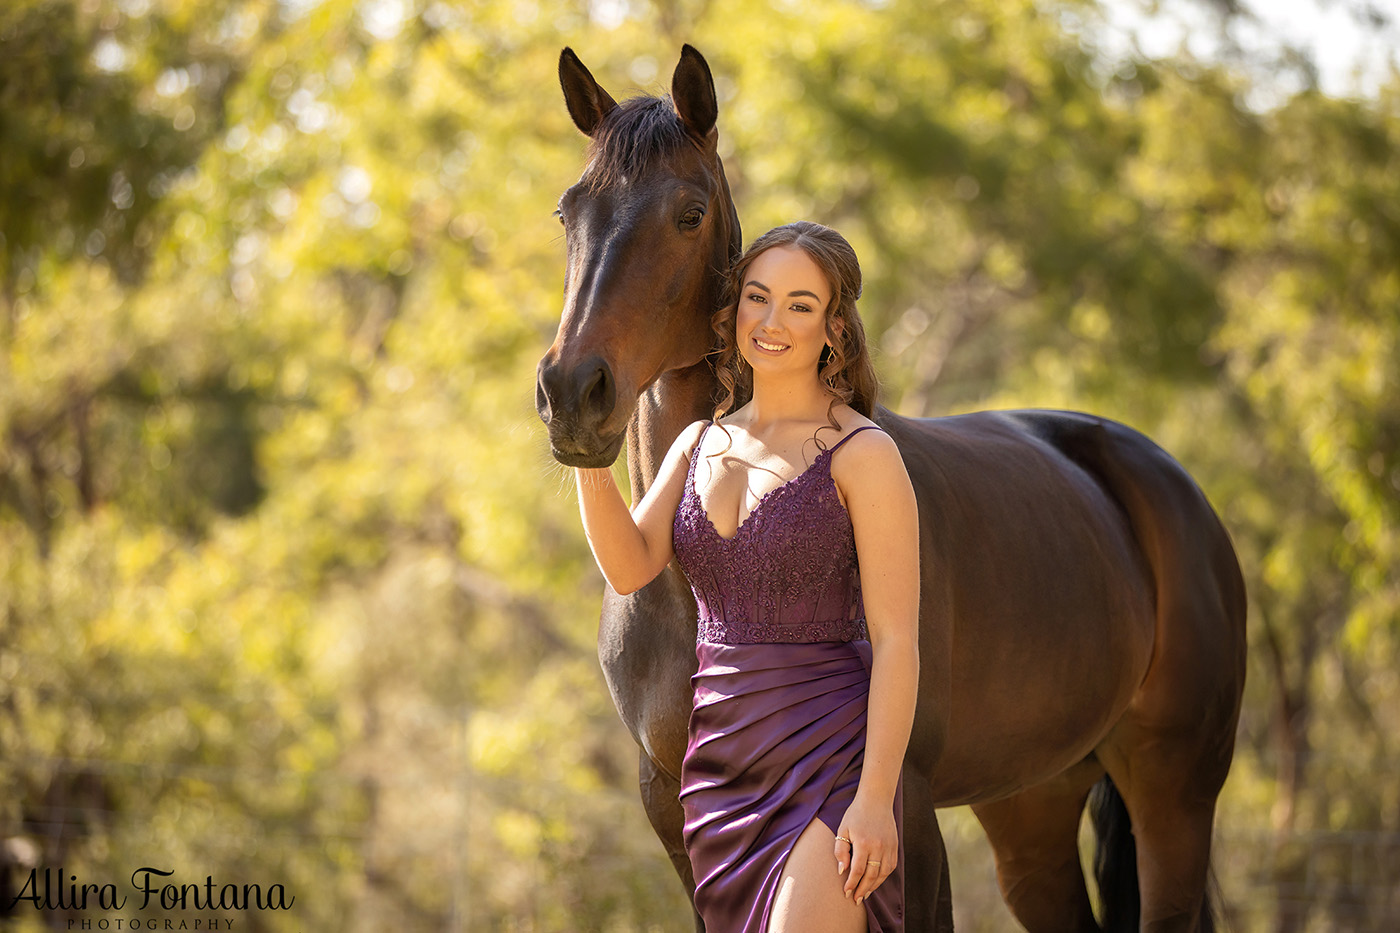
(885, 518)
(633, 546)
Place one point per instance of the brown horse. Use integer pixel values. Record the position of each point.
(1083, 614)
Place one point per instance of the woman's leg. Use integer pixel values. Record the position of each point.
(811, 894)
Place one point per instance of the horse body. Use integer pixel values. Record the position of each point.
(1023, 620)
(1082, 610)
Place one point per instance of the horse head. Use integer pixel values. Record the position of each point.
(650, 229)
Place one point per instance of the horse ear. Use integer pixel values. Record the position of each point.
(693, 92)
(588, 102)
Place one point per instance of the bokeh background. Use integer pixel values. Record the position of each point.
(290, 590)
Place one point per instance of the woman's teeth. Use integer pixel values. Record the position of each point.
(769, 346)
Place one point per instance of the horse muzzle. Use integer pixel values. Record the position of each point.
(576, 403)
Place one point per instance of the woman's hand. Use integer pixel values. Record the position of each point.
(873, 851)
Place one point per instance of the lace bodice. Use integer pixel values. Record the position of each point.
(789, 574)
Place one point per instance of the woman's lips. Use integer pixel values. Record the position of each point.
(772, 348)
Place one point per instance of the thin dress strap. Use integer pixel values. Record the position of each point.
(867, 427)
(695, 452)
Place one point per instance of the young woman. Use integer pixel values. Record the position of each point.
(795, 522)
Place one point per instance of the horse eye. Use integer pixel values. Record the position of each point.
(691, 218)
(559, 215)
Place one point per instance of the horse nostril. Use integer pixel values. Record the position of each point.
(599, 394)
(542, 400)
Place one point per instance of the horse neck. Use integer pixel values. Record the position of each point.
(675, 400)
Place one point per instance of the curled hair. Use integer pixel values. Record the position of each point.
(845, 369)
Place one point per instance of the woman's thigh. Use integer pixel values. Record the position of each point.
(811, 894)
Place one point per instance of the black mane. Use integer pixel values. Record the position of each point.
(639, 131)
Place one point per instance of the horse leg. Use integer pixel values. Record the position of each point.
(1170, 753)
(928, 897)
(1173, 868)
(1035, 840)
(1170, 800)
(661, 798)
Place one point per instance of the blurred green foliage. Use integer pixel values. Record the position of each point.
(291, 591)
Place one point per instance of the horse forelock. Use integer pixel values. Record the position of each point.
(637, 133)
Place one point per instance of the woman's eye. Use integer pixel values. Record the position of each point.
(758, 298)
(801, 308)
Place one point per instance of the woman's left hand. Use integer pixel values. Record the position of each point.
(873, 852)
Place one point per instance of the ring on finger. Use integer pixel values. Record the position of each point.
(845, 840)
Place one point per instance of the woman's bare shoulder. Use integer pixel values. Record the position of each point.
(866, 457)
(690, 436)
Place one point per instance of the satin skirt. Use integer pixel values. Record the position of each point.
(777, 738)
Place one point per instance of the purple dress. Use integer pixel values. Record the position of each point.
(777, 729)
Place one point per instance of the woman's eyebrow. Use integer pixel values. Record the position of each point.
(757, 284)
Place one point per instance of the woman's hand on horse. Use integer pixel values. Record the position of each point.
(633, 545)
(873, 853)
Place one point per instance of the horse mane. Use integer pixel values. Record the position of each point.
(637, 132)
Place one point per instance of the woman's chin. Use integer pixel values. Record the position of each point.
(783, 368)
